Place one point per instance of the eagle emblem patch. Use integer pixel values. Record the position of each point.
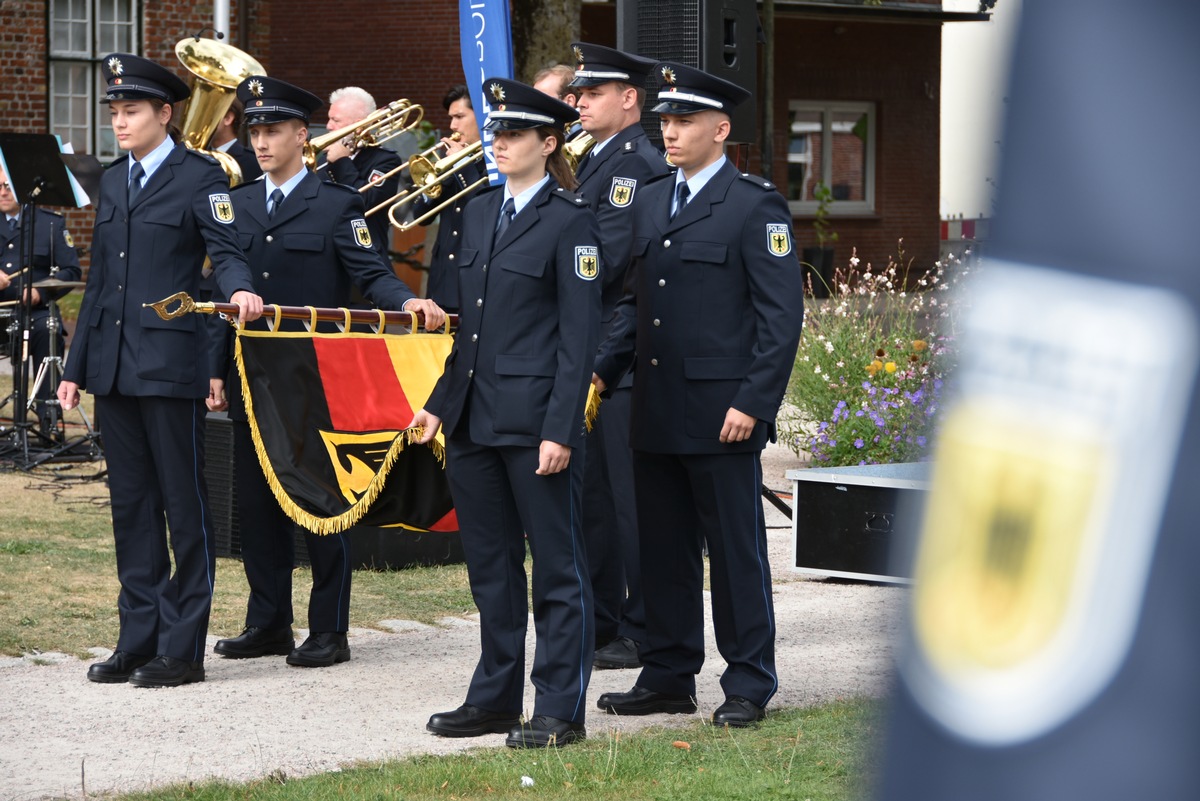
(587, 262)
(222, 207)
(67, 238)
(779, 239)
(621, 193)
(362, 234)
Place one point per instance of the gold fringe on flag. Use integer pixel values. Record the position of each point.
(350, 517)
(592, 408)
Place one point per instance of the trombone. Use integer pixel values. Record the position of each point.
(374, 129)
(428, 178)
(424, 154)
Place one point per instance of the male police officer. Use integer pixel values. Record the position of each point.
(308, 241)
(718, 316)
(611, 93)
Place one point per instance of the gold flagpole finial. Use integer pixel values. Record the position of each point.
(186, 306)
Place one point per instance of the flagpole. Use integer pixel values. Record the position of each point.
(377, 319)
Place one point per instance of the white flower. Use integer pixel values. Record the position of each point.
(828, 346)
(526, 781)
(841, 364)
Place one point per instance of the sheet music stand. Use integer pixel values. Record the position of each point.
(38, 177)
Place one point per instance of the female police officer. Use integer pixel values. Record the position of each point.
(512, 402)
(160, 211)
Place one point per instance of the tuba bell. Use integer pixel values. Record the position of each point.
(217, 69)
(575, 149)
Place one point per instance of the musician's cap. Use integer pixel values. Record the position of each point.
(516, 106)
(687, 90)
(132, 77)
(597, 64)
(268, 100)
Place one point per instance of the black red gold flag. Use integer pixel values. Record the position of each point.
(328, 414)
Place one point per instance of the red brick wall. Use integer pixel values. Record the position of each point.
(897, 67)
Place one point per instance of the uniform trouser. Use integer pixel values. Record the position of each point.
(154, 448)
(684, 502)
(268, 553)
(610, 524)
(501, 504)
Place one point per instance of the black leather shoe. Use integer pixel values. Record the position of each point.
(254, 642)
(640, 701)
(471, 721)
(321, 650)
(116, 669)
(166, 671)
(738, 713)
(619, 654)
(543, 732)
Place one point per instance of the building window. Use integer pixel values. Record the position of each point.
(81, 33)
(834, 144)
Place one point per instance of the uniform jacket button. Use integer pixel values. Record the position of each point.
(654, 362)
(478, 302)
(471, 373)
(474, 337)
(662, 282)
(270, 238)
(451, 257)
(266, 275)
(666, 243)
(121, 254)
(658, 322)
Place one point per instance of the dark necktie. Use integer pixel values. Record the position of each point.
(506, 215)
(12, 224)
(681, 196)
(135, 181)
(276, 199)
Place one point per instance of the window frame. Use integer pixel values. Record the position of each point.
(827, 109)
(60, 56)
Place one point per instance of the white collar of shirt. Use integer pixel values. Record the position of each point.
(225, 147)
(596, 148)
(697, 181)
(522, 199)
(288, 185)
(154, 158)
(8, 217)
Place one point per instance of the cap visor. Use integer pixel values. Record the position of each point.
(679, 108)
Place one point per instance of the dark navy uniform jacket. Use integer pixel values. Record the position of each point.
(611, 182)
(356, 172)
(52, 245)
(183, 211)
(442, 286)
(528, 322)
(315, 249)
(719, 309)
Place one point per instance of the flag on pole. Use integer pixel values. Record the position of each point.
(328, 414)
(485, 38)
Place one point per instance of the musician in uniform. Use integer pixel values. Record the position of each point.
(611, 176)
(54, 257)
(718, 311)
(225, 139)
(308, 242)
(512, 402)
(162, 208)
(367, 165)
(442, 285)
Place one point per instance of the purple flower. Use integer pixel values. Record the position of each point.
(858, 443)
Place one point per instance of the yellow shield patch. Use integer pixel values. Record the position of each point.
(779, 239)
(587, 262)
(67, 238)
(222, 207)
(362, 234)
(621, 193)
(357, 458)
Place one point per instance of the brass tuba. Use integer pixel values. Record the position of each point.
(574, 150)
(218, 69)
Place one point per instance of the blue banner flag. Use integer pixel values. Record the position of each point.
(485, 36)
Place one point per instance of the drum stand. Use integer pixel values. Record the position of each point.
(84, 448)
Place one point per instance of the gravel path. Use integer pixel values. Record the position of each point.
(256, 717)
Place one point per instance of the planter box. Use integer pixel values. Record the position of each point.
(846, 520)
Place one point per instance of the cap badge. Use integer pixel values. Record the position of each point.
(258, 102)
(256, 88)
(497, 92)
(668, 75)
(115, 66)
(578, 51)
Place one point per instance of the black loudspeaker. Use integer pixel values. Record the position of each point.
(718, 36)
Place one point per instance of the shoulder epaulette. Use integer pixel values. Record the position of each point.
(206, 156)
(759, 181)
(570, 197)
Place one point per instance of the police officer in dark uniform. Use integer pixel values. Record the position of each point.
(161, 209)
(53, 257)
(621, 163)
(512, 402)
(718, 316)
(364, 166)
(442, 285)
(308, 242)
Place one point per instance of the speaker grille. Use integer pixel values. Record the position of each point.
(670, 31)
